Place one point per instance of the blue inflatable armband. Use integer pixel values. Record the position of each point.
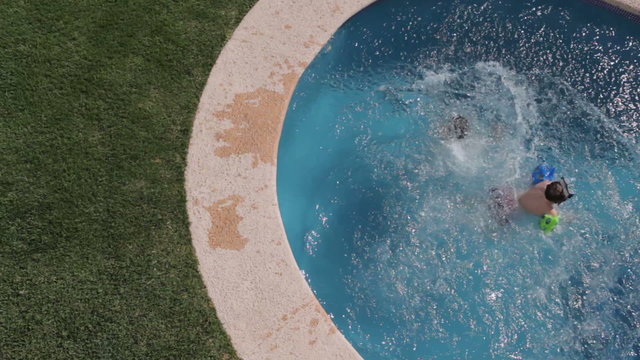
(543, 172)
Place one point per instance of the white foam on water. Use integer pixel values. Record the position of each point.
(452, 237)
(467, 154)
(435, 78)
(428, 264)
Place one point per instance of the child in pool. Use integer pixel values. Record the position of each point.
(540, 198)
(456, 128)
(460, 126)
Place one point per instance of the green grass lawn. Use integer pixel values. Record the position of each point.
(97, 99)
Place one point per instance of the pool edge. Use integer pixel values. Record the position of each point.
(260, 295)
(629, 8)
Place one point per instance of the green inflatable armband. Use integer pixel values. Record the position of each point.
(549, 222)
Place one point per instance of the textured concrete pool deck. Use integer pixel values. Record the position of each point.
(632, 6)
(250, 273)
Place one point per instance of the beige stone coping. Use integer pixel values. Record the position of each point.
(632, 6)
(259, 293)
(250, 273)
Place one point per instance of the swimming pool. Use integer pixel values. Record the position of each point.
(387, 217)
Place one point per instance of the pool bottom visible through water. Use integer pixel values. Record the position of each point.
(389, 219)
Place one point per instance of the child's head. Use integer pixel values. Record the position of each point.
(554, 192)
(460, 126)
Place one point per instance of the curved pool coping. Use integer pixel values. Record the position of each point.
(259, 293)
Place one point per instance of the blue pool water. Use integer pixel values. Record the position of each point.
(388, 217)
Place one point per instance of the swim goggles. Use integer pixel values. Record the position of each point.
(565, 190)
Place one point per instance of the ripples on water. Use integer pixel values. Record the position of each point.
(388, 218)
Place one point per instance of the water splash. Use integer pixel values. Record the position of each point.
(390, 218)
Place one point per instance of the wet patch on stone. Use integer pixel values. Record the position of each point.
(256, 118)
(224, 233)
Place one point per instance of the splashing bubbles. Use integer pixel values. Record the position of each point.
(390, 212)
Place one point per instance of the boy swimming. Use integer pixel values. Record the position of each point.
(460, 126)
(455, 128)
(540, 198)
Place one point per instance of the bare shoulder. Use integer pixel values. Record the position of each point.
(542, 185)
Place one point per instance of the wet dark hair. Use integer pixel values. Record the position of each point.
(460, 126)
(555, 192)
